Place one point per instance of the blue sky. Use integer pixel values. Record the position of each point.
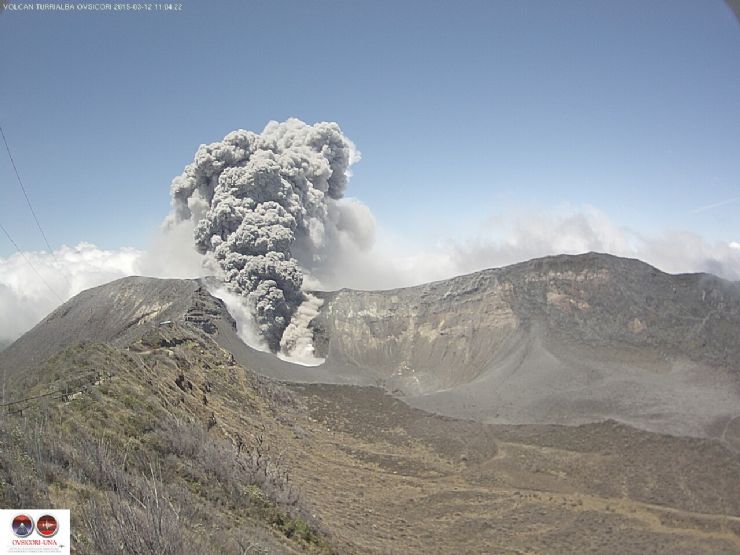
(463, 111)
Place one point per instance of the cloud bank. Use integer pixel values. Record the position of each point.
(25, 300)
(266, 213)
(589, 229)
(512, 239)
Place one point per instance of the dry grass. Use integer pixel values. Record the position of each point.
(174, 432)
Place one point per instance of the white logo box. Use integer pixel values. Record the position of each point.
(34, 543)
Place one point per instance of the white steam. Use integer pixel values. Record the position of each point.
(394, 262)
(25, 300)
(245, 325)
(266, 213)
(296, 344)
(266, 209)
(171, 254)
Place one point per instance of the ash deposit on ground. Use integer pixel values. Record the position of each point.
(571, 404)
(567, 404)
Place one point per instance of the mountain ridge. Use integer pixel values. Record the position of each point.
(550, 446)
(567, 339)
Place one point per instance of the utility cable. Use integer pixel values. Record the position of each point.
(30, 206)
(30, 264)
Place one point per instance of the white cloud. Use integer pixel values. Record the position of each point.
(391, 262)
(25, 299)
(589, 229)
(394, 263)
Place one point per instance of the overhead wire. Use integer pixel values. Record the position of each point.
(28, 261)
(28, 201)
(38, 224)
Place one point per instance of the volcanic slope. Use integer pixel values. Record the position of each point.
(563, 339)
(157, 420)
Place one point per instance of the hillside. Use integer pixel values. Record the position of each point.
(564, 339)
(115, 313)
(165, 440)
(448, 332)
(184, 451)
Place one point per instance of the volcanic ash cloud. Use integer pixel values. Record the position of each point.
(265, 208)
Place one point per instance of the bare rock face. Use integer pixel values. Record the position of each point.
(563, 339)
(566, 339)
(443, 334)
(420, 339)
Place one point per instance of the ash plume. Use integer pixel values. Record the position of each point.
(265, 209)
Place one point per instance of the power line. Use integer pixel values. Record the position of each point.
(65, 395)
(30, 264)
(29, 398)
(28, 201)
